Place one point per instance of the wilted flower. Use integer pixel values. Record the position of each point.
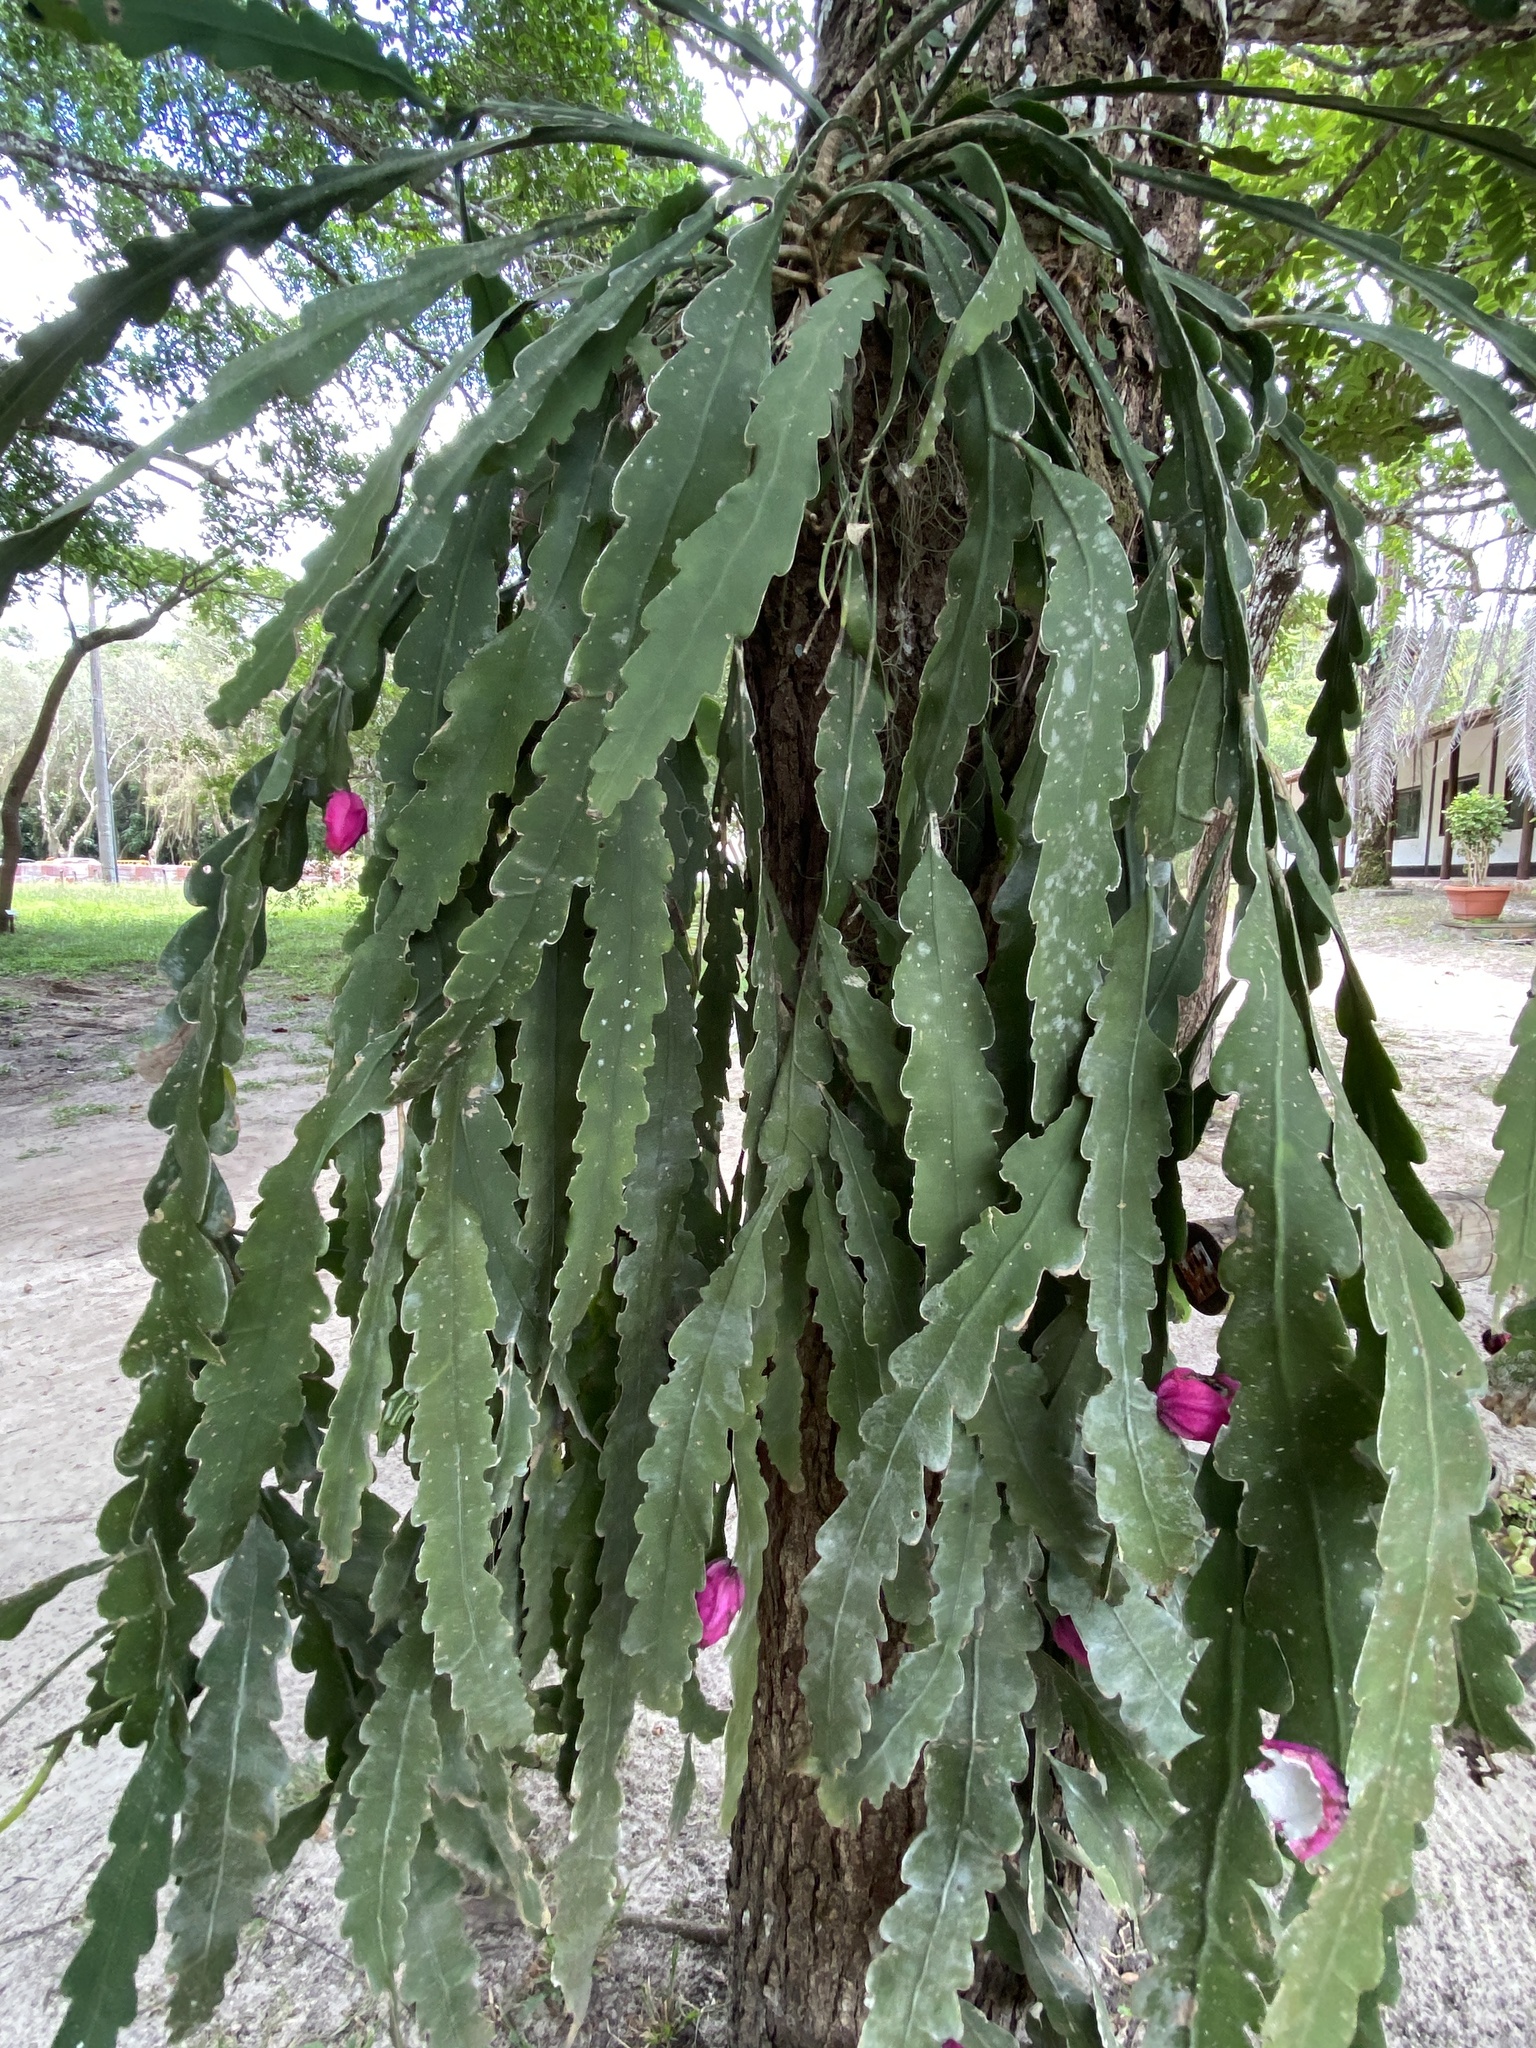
(1303, 1795)
(346, 820)
(1194, 1405)
(718, 1600)
(1066, 1638)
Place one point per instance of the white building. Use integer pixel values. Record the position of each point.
(1441, 766)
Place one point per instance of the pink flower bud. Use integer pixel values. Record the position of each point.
(718, 1600)
(1194, 1405)
(346, 820)
(1303, 1795)
(1066, 1638)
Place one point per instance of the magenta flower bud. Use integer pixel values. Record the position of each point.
(1195, 1405)
(718, 1600)
(1066, 1638)
(1303, 1795)
(346, 820)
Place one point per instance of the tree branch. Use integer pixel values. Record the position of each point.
(76, 163)
(114, 445)
(1400, 26)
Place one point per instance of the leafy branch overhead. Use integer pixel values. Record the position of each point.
(760, 1043)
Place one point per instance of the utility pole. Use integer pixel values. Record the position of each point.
(106, 824)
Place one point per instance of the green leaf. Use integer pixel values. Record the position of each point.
(995, 409)
(392, 1790)
(957, 1106)
(939, 1374)
(893, 1279)
(236, 1767)
(911, 1710)
(854, 1382)
(120, 1905)
(141, 289)
(693, 452)
(1141, 1472)
(1190, 768)
(1138, 1653)
(551, 123)
(1498, 438)
(1031, 1447)
(689, 1457)
(850, 769)
(631, 933)
(1211, 1925)
(1486, 1646)
(1309, 1501)
(1502, 144)
(507, 685)
(555, 848)
(751, 46)
(441, 1975)
(990, 307)
(1433, 1451)
(1512, 1190)
(296, 44)
(460, 592)
(725, 566)
(295, 364)
(346, 1465)
(251, 1389)
(862, 1025)
(17, 1609)
(973, 1823)
(448, 1308)
(544, 1074)
(1092, 682)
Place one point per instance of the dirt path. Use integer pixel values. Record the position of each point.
(75, 1155)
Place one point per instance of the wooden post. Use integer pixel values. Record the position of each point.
(1452, 774)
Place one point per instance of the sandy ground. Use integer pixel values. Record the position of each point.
(76, 1154)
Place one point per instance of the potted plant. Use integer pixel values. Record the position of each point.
(1476, 824)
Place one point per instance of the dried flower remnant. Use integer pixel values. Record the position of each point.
(1302, 1793)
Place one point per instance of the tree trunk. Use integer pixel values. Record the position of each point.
(1373, 854)
(21, 781)
(805, 1900)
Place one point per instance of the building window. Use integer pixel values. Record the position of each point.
(1463, 783)
(1407, 813)
(1514, 806)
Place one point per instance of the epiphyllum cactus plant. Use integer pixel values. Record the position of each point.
(698, 751)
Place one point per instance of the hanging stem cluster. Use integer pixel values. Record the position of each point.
(637, 1067)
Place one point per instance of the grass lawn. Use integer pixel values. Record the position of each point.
(81, 928)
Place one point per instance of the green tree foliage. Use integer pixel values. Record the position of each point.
(579, 1320)
(125, 137)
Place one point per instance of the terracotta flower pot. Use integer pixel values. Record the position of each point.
(1483, 901)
